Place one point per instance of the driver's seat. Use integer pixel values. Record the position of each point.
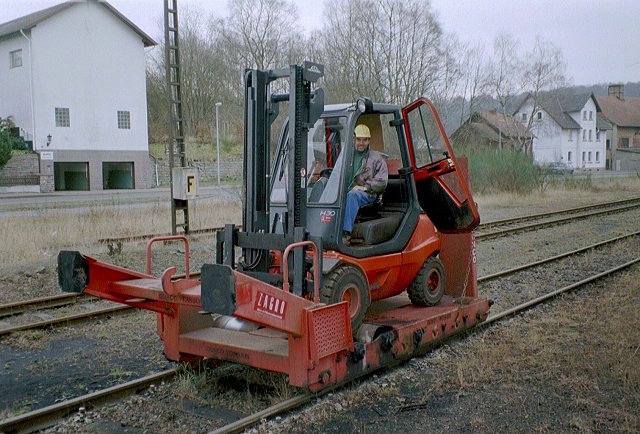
(318, 189)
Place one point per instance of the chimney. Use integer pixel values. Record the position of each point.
(617, 90)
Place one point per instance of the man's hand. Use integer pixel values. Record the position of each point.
(359, 188)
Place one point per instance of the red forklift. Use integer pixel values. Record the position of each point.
(284, 293)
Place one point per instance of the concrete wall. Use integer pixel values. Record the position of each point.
(15, 87)
(89, 61)
(628, 160)
(140, 159)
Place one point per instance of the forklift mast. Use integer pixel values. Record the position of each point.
(261, 109)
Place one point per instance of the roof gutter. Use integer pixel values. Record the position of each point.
(33, 118)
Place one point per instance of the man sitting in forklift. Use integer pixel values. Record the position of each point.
(368, 178)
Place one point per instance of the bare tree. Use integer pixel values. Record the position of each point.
(157, 106)
(532, 73)
(261, 33)
(504, 71)
(450, 78)
(474, 78)
(544, 70)
(385, 49)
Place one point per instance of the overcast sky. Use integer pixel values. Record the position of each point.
(600, 39)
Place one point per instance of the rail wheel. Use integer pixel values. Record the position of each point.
(428, 286)
(347, 283)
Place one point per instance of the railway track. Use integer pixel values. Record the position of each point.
(511, 226)
(19, 307)
(115, 243)
(306, 398)
(47, 416)
(67, 299)
(574, 210)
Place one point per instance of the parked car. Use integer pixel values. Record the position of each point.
(561, 168)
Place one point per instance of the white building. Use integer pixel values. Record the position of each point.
(566, 129)
(72, 77)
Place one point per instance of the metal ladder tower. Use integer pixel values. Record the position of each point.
(176, 124)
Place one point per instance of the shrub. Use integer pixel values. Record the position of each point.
(493, 171)
(18, 144)
(8, 142)
(5, 148)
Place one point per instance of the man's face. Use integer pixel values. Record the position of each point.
(362, 143)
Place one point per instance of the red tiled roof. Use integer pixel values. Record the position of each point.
(622, 112)
(506, 124)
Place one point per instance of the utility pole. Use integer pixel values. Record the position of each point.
(176, 124)
(218, 104)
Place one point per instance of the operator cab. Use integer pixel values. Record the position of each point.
(421, 176)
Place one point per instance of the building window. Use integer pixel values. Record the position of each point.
(584, 115)
(590, 115)
(569, 156)
(524, 117)
(584, 154)
(584, 135)
(15, 58)
(624, 142)
(597, 157)
(539, 115)
(589, 156)
(124, 120)
(62, 117)
(590, 136)
(597, 135)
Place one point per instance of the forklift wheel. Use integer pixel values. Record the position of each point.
(346, 283)
(428, 286)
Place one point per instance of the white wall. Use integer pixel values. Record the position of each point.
(589, 144)
(15, 92)
(88, 60)
(547, 139)
(551, 143)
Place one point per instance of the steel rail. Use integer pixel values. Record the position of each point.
(78, 317)
(555, 258)
(482, 225)
(502, 232)
(146, 237)
(538, 300)
(303, 399)
(66, 319)
(552, 213)
(51, 301)
(48, 416)
(281, 407)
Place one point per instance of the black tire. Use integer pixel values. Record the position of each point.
(428, 286)
(347, 283)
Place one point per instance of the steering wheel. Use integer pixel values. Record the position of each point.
(326, 173)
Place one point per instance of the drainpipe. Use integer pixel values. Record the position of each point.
(33, 118)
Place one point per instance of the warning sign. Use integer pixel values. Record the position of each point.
(185, 182)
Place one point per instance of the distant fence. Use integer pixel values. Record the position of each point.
(13, 180)
(229, 169)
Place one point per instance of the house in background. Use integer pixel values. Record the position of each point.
(566, 129)
(491, 129)
(623, 139)
(72, 77)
